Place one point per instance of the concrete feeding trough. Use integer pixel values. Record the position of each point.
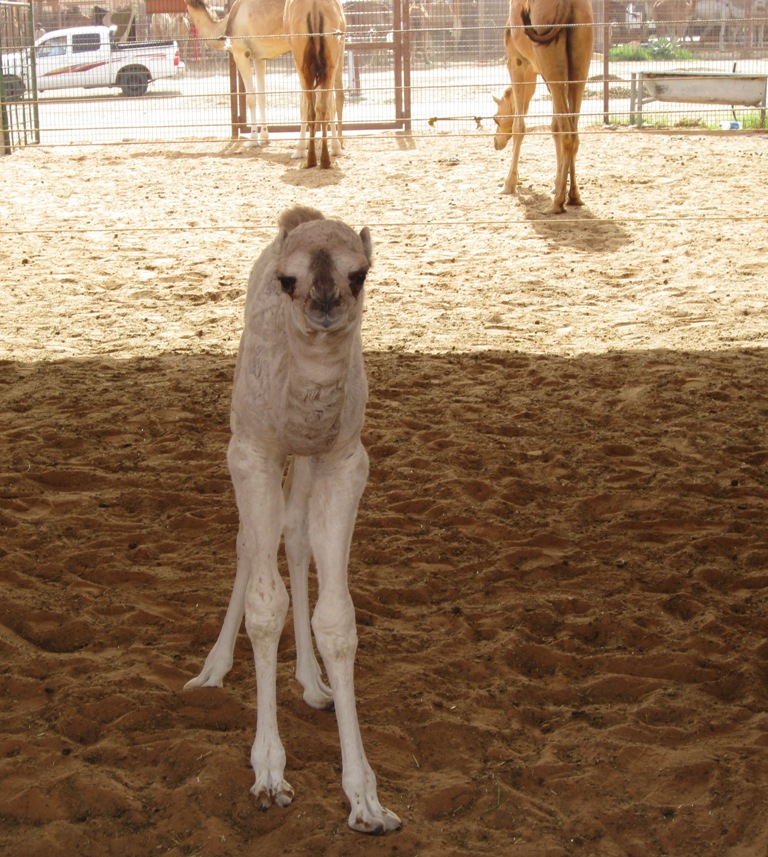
(696, 87)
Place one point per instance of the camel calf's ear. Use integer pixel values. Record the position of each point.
(365, 237)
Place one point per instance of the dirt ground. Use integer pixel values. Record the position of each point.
(560, 566)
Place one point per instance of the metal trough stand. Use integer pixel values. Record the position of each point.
(696, 87)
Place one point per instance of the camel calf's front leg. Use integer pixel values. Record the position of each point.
(257, 482)
(337, 487)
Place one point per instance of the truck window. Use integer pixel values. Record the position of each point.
(82, 42)
(55, 47)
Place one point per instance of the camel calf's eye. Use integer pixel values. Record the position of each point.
(356, 280)
(288, 284)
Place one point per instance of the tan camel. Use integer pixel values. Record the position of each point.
(315, 30)
(300, 390)
(254, 32)
(552, 38)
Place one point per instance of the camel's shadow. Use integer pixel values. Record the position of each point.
(577, 228)
(295, 173)
(299, 176)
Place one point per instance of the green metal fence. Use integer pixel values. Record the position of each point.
(19, 115)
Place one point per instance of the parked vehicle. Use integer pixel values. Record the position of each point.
(88, 57)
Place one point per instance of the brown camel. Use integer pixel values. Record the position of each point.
(315, 30)
(254, 32)
(552, 38)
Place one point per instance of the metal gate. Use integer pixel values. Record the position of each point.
(18, 103)
(375, 28)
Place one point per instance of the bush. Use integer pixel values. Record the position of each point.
(653, 49)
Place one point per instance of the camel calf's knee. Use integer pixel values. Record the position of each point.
(266, 608)
(333, 623)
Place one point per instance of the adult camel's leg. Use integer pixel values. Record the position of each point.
(580, 49)
(523, 77)
(338, 484)
(324, 116)
(311, 108)
(562, 130)
(553, 64)
(576, 91)
(257, 482)
(337, 138)
(242, 60)
(298, 552)
(300, 152)
(260, 67)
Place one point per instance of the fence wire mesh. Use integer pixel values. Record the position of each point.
(420, 67)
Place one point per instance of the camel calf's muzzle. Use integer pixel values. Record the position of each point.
(325, 312)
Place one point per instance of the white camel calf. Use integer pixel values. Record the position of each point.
(300, 390)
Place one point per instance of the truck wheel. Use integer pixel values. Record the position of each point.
(134, 82)
(13, 87)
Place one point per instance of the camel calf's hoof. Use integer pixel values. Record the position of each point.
(375, 823)
(386, 823)
(281, 795)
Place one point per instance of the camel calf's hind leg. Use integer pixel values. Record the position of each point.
(316, 692)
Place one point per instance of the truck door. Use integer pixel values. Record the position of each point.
(51, 61)
(90, 59)
(84, 61)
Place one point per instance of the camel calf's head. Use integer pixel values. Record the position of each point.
(503, 119)
(322, 266)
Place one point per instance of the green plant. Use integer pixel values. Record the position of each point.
(653, 49)
(667, 49)
(753, 119)
(628, 53)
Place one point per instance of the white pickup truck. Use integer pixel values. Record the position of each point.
(87, 57)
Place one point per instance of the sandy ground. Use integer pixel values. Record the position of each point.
(560, 563)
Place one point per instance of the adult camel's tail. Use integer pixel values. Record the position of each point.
(552, 17)
(315, 60)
